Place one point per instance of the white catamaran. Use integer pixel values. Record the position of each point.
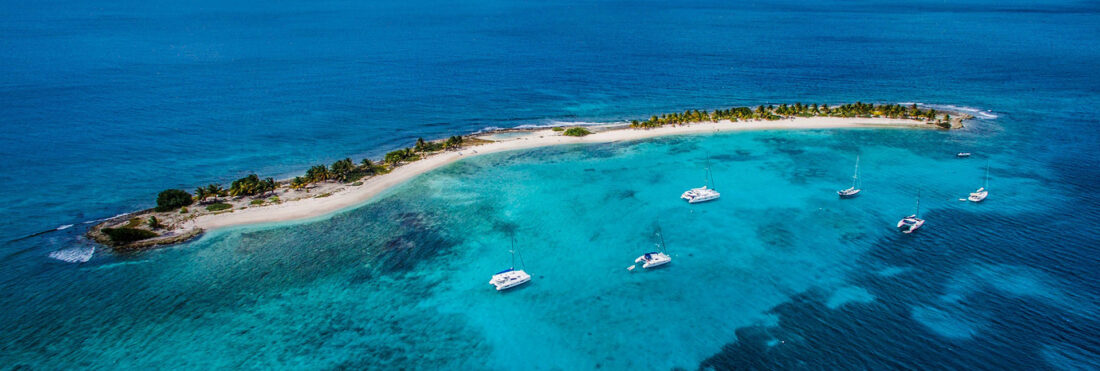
(854, 190)
(510, 277)
(704, 193)
(981, 193)
(911, 223)
(654, 258)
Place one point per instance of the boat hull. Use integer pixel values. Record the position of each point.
(695, 200)
(910, 224)
(978, 196)
(848, 193)
(654, 259)
(509, 279)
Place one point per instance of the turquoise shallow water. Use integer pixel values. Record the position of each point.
(402, 282)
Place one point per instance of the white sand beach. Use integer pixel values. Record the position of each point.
(351, 196)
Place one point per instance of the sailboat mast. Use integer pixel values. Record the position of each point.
(918, 204)
(513, 251)
(710, 176)
(663, 247)
(855, 175)
(986, 185)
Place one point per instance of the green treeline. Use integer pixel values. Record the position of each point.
(342, 170)
(772, 112)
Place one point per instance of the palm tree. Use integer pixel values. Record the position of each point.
(215, 190)
(201, 194)
(341, 169)
(318, 173)
(270, 184)
(298, 183)
(367, 166)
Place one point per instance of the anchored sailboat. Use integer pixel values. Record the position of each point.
(911, 223)
(654, 258)
(704, 193)
(510, 277)
(981, 193)
(854, 190)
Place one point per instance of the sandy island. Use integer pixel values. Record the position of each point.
(351, 196)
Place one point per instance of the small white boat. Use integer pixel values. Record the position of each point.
(911, 223)
(510, 277)
(654, 258)
(704, 193)
(981, 193)
(854, 189)
(962, 154)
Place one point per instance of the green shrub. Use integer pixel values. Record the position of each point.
(183, 210)
(154, 223)
(576, 132)
(133, 223)
(274, 200)
(219, 207)
(557, 128)
(127, 235)
(323, 195)
(257, 202)
(356, 184)
(171, 199)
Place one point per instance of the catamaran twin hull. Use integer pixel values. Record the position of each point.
(910, 224)
(698, 195)
(653, 259)
(509, 278)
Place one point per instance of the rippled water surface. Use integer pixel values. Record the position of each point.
(104, 105)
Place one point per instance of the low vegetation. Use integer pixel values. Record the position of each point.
(124, 235)
(154, 223)
(219, 207)
(576, 132)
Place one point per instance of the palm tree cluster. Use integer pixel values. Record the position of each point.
(252, 185)
(318, 173)
(211, 190)
(772, 112)
(393, 158)
(453, 142)
(426, 146)
(342, 168)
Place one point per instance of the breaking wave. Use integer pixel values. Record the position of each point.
(978, 113)
(74, 255)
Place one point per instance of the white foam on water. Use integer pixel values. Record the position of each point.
(74, 255)
(488, 129)
(66, 226)
(102, 219)
(978, 113)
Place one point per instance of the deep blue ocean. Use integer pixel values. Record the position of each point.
(104, 104)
